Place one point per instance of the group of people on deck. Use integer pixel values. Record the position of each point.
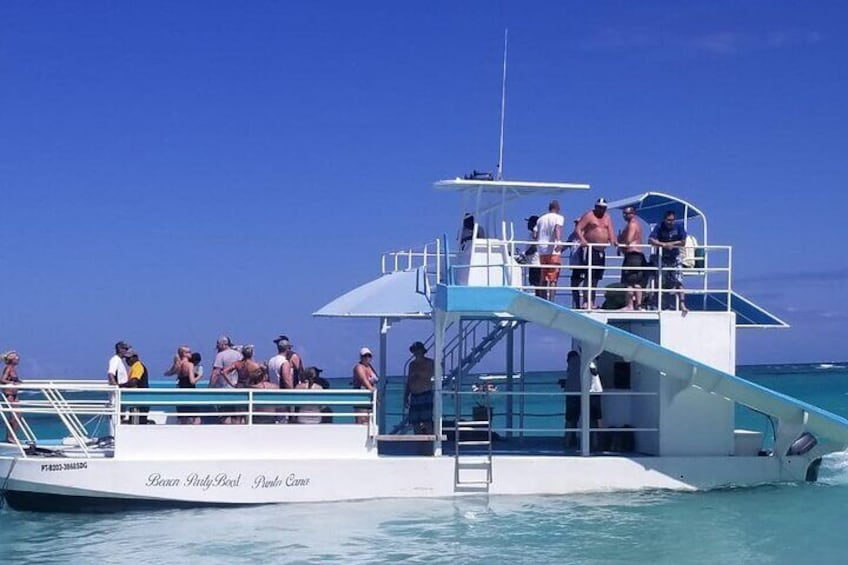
(587, 245)
(236, 367)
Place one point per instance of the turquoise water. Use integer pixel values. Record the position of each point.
(797, 523)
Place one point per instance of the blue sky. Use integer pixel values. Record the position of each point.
(172, 171)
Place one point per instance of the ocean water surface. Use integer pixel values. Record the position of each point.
(791, 523)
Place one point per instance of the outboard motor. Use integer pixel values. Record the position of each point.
(802, 445)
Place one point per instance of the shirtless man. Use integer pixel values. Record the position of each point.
(418, 394)
(629, 241)
(595, 228)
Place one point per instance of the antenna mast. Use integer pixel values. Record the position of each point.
(503, 108)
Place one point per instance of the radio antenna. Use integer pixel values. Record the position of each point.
(503, 108)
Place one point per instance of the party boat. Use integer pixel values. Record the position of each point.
(671, 403)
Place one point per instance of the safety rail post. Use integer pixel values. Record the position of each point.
(729, 276)
(438, 261)
(590, 297)
(660, 275)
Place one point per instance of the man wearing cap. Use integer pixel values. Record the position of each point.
(295, 360)
(418, 394)
(225, 357)
(138, 378)
(279, 368)
(548, 233)
(595, 232)
(116, 372)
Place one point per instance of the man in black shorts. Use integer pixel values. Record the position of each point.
(629, 243)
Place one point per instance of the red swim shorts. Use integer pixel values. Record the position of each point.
(550, 275)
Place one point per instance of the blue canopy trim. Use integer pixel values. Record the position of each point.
(652, 206)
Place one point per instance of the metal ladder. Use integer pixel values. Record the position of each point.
(472, 462)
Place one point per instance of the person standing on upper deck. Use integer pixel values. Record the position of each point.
(595, 232)
(629, 242)
(548, 233)
(575, 260)
(670, 237)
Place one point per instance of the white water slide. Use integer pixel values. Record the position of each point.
(794, 416)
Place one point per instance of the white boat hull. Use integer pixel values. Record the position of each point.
(62, 484)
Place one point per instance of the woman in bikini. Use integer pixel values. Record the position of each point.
(187, 377)
(365, 377)
(10, 377)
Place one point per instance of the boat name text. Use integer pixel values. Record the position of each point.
(223, 480)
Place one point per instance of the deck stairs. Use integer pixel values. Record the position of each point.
(469, 346)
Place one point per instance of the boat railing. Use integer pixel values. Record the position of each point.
(430, 256)
(80, 408)
(705, 270)
(481, 401)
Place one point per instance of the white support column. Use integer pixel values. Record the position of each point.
(385, 325)
(510, 370)
(440, 323)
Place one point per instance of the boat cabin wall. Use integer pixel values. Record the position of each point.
(690, 421)
(694, 422)
(486, 262)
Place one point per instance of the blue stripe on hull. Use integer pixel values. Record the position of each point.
(46, 502)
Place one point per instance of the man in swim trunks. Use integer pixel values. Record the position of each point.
(628, 243)
(595, 232)
(418, 394)
(548, 233)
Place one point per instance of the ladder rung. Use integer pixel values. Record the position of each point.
(473, 423)
(481, 442)
(476, 465)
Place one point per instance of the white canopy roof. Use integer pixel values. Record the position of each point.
(404, 294)
(518, 188)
